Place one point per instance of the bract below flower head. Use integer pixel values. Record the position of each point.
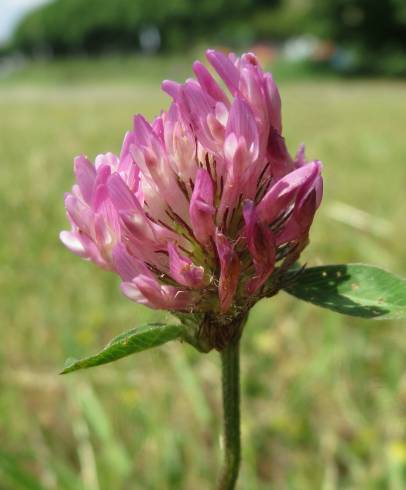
(204, 210)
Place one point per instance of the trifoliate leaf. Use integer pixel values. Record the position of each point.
(353, 289)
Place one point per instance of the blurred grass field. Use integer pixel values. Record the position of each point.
(324, 397)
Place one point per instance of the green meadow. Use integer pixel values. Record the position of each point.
(324, 396)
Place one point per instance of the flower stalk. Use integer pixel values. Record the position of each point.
(230, 365)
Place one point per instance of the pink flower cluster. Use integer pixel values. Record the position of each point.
(203, 207)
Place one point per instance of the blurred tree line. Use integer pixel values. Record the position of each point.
(374, 29)
(93, 26)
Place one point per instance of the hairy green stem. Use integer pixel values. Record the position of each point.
(230, 363)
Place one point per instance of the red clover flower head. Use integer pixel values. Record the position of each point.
(204, 211)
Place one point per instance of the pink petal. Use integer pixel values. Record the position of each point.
(261, 245)
(183, 270)
(307, 202)
(278, 155)
(100, 195)
(180, 144)
(151, 289)
(300, 158)
(319, 191)
(130, 210)
(151, 157)
(201, 208)
(125, 264)
(274, 102)
(121, 196)
(178, 299)
(84, 247)
(132, 292)
(147, 290)
(241, 122)
(282, 194)
(79, 213)
(196, 106)
(208, 83)
(225, 68)
(103, 173)
(158, 127)
(129, 139)
(251, 87)
(229, 271)
(108, 159)
(72, 241)
(85, 177)
(171, 88)
(238, 159)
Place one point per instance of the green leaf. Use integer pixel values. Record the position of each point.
(352, 289)
(135, 340)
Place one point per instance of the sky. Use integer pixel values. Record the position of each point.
(11, 12)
